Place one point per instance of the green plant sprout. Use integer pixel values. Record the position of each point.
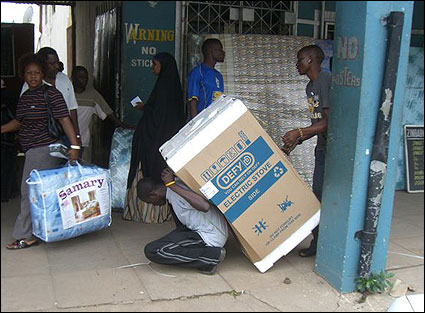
(374, 283)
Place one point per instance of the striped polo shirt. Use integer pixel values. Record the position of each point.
(31, 113)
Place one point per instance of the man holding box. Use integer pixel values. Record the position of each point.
(309, 60)
(201, 230)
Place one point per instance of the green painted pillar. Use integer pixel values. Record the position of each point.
(358, 65)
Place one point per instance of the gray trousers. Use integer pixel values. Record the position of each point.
(35, 158)
(318, 175)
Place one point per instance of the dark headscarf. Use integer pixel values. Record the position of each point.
(162, 118)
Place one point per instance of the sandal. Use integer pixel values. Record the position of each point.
(305, 253)
(310, 251)
(21, 244)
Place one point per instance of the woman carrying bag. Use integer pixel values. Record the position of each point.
(31, 123)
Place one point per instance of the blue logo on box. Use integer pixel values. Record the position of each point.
(226, 179)
(258, 228)
(227, 157)
(285, 204)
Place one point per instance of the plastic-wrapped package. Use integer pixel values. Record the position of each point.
(266, 79)
(69, 201)
(119, 165)
(260, 70)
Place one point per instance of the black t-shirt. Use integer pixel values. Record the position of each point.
(318, 99)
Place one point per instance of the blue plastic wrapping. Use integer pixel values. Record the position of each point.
(69, 201)
(119, 165)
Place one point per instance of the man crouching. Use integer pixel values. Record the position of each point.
(201, 229)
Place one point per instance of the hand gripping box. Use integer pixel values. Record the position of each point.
(226, 155)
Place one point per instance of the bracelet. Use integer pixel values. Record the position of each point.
(74, 147)
(78, 136)
(170, 183)
(301, 133)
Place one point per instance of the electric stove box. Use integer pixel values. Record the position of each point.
(224, 154)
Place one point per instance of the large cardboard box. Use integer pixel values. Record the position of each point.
(225, 154)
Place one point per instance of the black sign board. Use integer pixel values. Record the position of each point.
(7, 52)
(414, 149)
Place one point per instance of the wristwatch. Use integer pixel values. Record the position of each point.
(300, 141)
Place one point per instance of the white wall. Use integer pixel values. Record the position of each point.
(55, 21)
(85, 18)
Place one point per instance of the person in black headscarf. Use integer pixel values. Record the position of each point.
(162, 118)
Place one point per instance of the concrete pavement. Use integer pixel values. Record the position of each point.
(87, 273)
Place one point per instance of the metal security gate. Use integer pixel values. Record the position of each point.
(259, 67)
(237, 17)
(231, 17)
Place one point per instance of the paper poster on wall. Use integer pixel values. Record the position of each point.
(414, 149)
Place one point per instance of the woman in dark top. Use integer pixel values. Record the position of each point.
(162, 118)
(31, 122)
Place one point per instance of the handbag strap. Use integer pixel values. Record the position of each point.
(46, 98)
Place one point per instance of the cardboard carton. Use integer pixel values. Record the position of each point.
(224, 154)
